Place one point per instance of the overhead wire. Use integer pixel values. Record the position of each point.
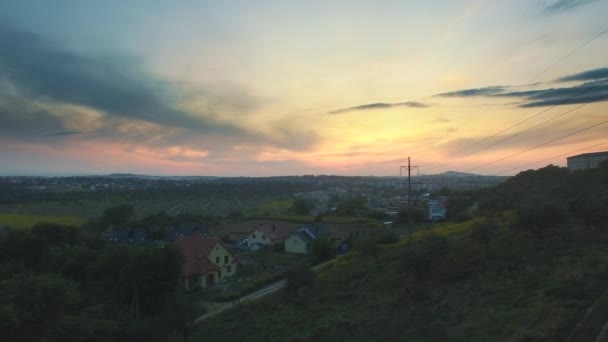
(550, 158)
(578, 48)
(535, 126)
(537, 146)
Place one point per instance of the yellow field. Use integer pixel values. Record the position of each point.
(21, 221)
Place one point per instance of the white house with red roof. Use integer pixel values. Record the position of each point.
(206, 260)
(268, 234)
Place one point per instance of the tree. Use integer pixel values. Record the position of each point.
(539, 215)
(302, 206)
(22, 246)
(298, 277)
(323, 249)
(115, 216)
(48, 308)
(417, 215)
(483, 232)
(57, 234)
(182, 314)
(457, 207)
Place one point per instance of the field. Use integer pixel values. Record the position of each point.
(22, 221)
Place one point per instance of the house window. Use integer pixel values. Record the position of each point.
(217, 260)
(225, 259)
(228, 268)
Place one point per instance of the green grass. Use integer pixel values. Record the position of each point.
(22, 221)
(276, 206)
(521, 289)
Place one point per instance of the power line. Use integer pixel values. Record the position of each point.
(550, 158)
(571, 53)
(537, 146)
(531, 80)
(529, 118)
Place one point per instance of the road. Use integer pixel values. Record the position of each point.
(217, 308)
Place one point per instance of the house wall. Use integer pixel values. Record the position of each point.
(222, 258)
(259, 237)
(294, 244)
(199, 280)
(582, 163)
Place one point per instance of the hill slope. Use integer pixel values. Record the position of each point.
(520, 289)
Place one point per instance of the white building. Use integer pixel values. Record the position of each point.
(437, 210)
(586, 160)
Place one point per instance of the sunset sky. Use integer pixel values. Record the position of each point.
(264, 88)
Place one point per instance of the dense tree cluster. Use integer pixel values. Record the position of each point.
(57, 284)
(550, 197)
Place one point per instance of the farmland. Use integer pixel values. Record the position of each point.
(24, 221)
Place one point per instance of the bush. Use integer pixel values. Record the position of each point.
(483, 232)
(369, 248)
(323, 249)
(298, 277)
(388, 237)
(539, 215)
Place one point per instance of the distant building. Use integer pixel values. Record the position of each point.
(437, 210)
(300, 242)
(268, 235)
(586, 160)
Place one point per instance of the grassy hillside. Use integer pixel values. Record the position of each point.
(19, 221)
(521, 288)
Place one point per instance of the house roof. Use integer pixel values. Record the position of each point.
(305, 236)
(128, 236)
(196, 249)
(593, 154)
(172, 233)
(273, 231)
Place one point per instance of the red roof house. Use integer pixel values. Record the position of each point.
(206, 260)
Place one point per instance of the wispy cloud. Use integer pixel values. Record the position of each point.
(485, 91)
(589, 75)
(380, 105)
(56, 134)
(595, 90)
(556, 6)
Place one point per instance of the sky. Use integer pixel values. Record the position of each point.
(267, 88)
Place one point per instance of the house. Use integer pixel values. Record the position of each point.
(300, 242)
(206, 260)
(267, 235)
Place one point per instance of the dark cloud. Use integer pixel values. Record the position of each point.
(563, 5)
(587, 92)
(39, 77)
(20, 118)
(115, 85)
(379, 105)
(56, 134)
(589, 75)
(596, 90)
(485, 91)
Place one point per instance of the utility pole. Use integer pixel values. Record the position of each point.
(410, 220)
